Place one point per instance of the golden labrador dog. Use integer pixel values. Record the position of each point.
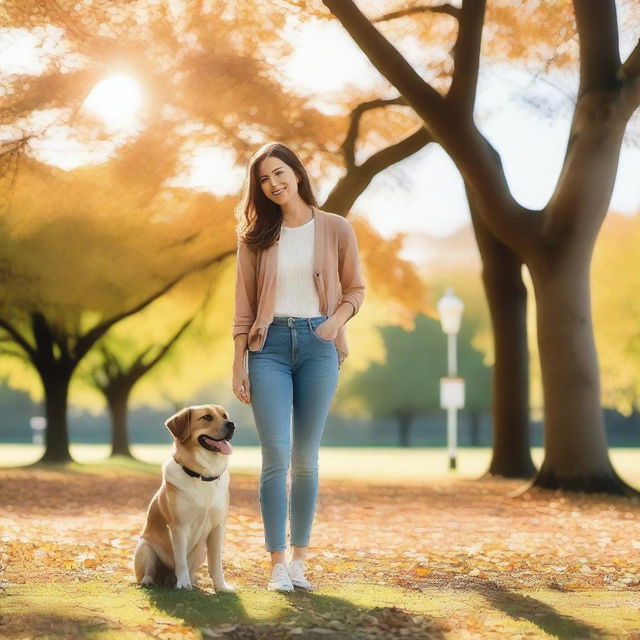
(187, 516)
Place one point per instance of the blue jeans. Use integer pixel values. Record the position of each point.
(296, 372)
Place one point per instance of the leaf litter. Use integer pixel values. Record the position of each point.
(71, 527)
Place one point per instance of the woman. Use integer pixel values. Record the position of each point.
(298, 282)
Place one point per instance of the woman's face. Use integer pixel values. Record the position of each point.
(277, 180)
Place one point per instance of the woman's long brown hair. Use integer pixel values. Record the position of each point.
(260, 219)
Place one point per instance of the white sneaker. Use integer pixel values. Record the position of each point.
(280, 580)
(296, 573)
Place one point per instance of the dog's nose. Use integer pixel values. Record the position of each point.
(230, 429)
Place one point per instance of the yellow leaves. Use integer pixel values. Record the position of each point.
(389, 276)
(615, 275)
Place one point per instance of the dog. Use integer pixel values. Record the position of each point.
(187, 516)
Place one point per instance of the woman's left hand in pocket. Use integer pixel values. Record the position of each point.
(328, 330)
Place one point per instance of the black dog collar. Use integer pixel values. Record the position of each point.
(193, 474)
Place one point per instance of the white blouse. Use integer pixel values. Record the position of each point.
(296, 292)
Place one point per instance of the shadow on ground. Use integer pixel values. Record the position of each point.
(302, 614)
(545, 617)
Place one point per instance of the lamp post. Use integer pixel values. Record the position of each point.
(450, 309)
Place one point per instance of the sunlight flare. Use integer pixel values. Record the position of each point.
(116, 99)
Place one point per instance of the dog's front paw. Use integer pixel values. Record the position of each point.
(224, 587)
(183, 581)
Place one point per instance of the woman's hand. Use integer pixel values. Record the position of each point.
(328, 330)
(241, 386)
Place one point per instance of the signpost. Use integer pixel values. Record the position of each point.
(450, 309)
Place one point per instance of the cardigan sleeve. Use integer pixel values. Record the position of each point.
(351, 280)
(246, 293)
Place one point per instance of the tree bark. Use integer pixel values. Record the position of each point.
(118, 401)
(576, 455)
(55, 381)
(507, 301)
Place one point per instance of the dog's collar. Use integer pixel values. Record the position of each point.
(193, 474)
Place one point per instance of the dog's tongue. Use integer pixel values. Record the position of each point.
(223, 447)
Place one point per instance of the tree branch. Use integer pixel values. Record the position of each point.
(386, 58)
(478, 162)
(89, 339)
(18, 338)
(349, 144)
(163, 352)
(14, 354)
(629, 73)
(355, 180)
(631, 66)
(138, 361)
(599, 48)
(605, 102)
(439, 8)
(466, 55)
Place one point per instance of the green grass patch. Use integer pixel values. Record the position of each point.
(98, 610)
(356, 463)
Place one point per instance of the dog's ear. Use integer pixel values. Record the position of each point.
(180, 424)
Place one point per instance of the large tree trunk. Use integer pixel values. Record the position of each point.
(507, 300)
(576, 456)
(556, 240)
(118, 401)
(55, 381)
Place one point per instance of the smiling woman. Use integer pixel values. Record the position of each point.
(116, 99)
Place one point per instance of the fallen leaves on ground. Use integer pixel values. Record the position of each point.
(62, 527)
(379, 623)
(67, 526)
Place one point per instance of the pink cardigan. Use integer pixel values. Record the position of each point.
(336, 271)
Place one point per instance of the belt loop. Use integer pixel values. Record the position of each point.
(309, 324)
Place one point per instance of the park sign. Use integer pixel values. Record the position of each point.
(451, 393)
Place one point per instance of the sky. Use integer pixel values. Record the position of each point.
(423, 193)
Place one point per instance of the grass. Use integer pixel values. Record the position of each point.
(355, 463)
(124, 611)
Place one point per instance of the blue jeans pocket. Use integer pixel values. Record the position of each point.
(314, 326)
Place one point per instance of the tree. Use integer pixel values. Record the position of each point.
(199, 80)
(556, 242)
(116, 381)
(203, 55)
(70, 300)
(505, 290)
(407, 383)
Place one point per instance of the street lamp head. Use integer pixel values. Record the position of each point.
(450, 309)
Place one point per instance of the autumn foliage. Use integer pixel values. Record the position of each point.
(75, 527)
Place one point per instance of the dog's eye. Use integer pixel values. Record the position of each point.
(208, 418)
